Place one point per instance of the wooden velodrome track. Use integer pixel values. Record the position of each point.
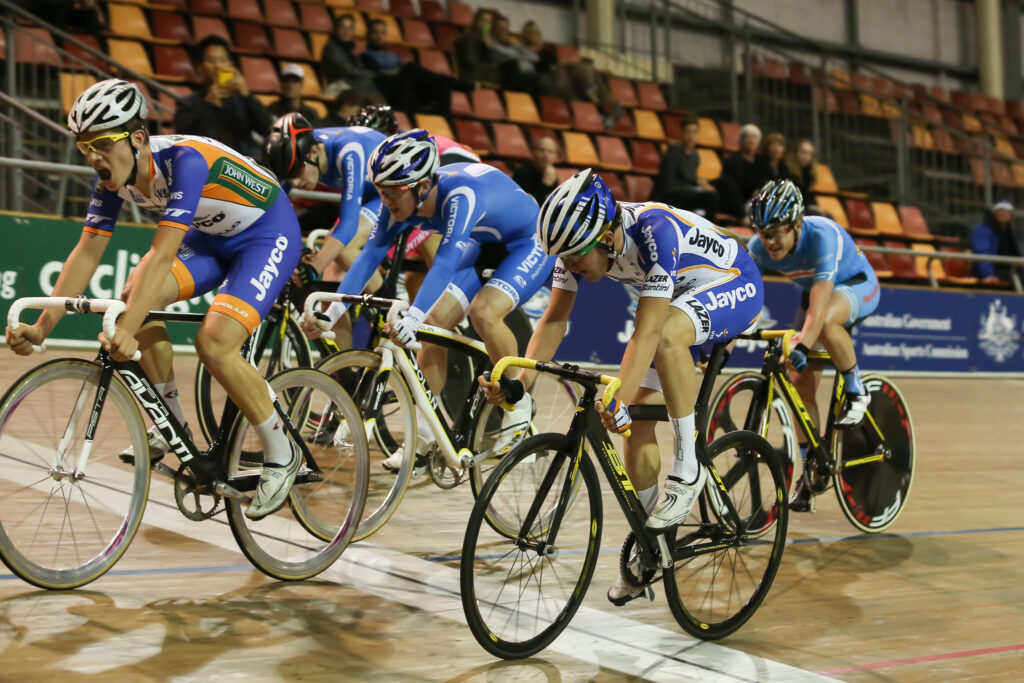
(939, 598)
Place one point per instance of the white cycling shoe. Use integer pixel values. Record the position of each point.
(272, 491)
(853, 410)
(677, 499)
(424, 442)
(158, 446)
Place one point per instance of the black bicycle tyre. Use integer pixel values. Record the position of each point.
(690, 623)
(489, 641)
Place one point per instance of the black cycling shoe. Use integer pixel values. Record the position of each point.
(802, 500)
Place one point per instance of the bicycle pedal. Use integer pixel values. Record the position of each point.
(649, 593)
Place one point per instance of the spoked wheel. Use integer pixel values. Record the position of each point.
(725, 562)
(731, 411)
(392, 428)
(324, 507)
(876, 460)
(277, 348)
(519, 594)
(68, 513)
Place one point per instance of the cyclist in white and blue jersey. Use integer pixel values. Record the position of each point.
(696, 285)
(473, 206)
(840, 288)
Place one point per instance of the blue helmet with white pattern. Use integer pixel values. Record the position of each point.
(575, 214)
(779, 202)
(403, 159)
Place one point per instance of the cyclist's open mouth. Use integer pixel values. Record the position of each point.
(103, 173)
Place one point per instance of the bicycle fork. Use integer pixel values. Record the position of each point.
(58, 472)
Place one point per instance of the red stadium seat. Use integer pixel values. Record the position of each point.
(459, 102)
(371, 5)
(613, 182)
(290, 44)
(171, 26)
(500, 165)
(260, 74)
(509, 141)
(487, 105)
(459, 13)
(251, 39)
(432, 11)
(473, 134)
(586, 117)
(435, 60)
(638, 188)
(76, 55)
(622, 91)
(209, 26)
(209, 7)
(902, 265)
(245, 10)
(445, 36)
(173, 62)
(402, 8)
(554, 112)
(646, 158)
(651, 96)
(612, 153)
(862, 221)
(315, 18)
(35, 46)
(417, 33)
(878, 261)
(280, 13)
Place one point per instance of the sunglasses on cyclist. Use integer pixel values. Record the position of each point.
(393, 193)
(101, 144)
(573, 259)
(776, 233)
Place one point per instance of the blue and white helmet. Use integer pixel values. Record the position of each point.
(403, 159)
(778, 202)
(575, 213)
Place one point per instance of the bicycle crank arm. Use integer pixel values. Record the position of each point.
(666, 554)
(227, 491)
(864, 461)
(163, 470)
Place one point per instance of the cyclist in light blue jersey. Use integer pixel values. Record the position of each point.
(840, 289)
(475, 208)
(696, 285)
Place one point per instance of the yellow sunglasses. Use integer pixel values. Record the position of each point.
(106, 143)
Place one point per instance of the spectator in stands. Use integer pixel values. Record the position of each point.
(994, 236)
(678, 183)
(474, 55)
(408, 87)
(773, 157)
(744, 170)
(538, 177)
(340, 67)
(292, 77)
(517, 63)
(345, 105)
(222, 108)
(800, 162)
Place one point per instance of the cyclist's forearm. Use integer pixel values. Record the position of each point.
(543, 344)
(149, 279)
(636, 361)
(330, 251)
(75, 275)
(817, 309)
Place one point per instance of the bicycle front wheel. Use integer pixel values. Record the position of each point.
(69, 509)
(391, 428)
(325, 505)
(726, 563)
(519, 593)
(277, 347)
(876, 460)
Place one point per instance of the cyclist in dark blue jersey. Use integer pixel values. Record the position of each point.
(840, 288)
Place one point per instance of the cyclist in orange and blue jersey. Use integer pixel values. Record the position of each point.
(224, 221)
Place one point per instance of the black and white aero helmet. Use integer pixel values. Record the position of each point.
(107, 104)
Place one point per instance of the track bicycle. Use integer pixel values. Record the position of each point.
(870, 466)
(389, 389)
(520, 590)
(70, 506)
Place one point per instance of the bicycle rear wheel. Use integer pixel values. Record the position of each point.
(732, 562)
(518, 594)
(59, 529)
(279, 347)
(873, 481)
(304, 537)
(730, 410)
(393, 427)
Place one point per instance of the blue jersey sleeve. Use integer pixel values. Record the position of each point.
(658, 250)
(190, 172)
(351, 163)
(460, 211)
(826, 256)
(103, 210)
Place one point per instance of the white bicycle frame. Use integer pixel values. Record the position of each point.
(111, 309)
(394, 356)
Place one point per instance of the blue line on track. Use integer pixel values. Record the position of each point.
(163, 570)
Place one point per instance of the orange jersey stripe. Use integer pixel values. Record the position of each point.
(186, 285)
(173, 224)
(211, 154)
(98, 231)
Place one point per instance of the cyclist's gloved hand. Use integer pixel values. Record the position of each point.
(620, 413)
(404, 331)
(798, 357)
(307, 274)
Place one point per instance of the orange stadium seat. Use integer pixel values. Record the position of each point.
(432, 10)
(554, 112)
(402, 8)
(171, 26)
(487, 105)
(579, 149)
(128, 21)
(612, 153)
(520, 107)
(71, 85)
(417, 33)
(710, 167)
(260, 74)
(310, 83)
(824, 181)
(209, 26)
(394, 33)
(586, 117)
(209, 7)
(474, 135)
(251, 39)
(648, 125)
(708, 135)
(638, 188)
(290, 44)
(130, 54)
(622, 91)
(459, 102)
(245, 10)
(173, 63)
(921, 265)
(862, 221)
(317, 41)
(459, 13)
(434, 124)
(509, 141)
(340, 4)
(315, 18)
(436, 61)
(832, 206)
(887, 222)
(280, 13)
(650, 96)
(646, 158)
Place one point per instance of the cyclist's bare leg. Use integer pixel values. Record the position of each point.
(219, 342)
(640, 451)
(426, 251)
(433, 359)
(679, 381)
(806, 384)
(487, 312)
(834, 335)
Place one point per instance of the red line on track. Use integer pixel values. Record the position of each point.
(918, 660)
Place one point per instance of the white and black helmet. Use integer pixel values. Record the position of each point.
(107, 104)
(403, 159)
(575, 214)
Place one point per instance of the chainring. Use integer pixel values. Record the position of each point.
(189, 500)
(629, 565)
(442, 474)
